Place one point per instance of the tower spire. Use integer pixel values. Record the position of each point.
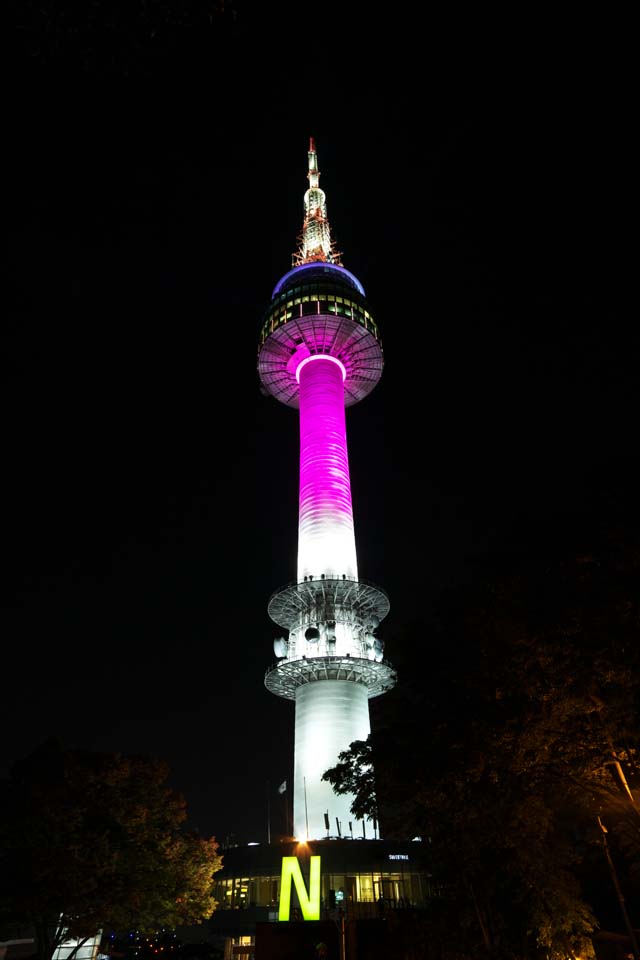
(315, 243)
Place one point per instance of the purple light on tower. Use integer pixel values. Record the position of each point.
(326, 541)
(320, 352)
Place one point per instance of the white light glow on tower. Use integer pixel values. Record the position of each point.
(326, 539)
(329, 716)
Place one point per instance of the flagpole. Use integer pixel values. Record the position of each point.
(268, 816)
(283, 792)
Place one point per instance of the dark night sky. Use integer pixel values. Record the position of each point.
(149, 491)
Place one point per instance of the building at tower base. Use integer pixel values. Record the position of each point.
(366, 888)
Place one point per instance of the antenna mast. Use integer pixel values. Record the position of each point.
(315, 243)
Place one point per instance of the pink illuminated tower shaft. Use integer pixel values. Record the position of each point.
(320, 352)
(326, 539)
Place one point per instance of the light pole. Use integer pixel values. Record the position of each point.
(614, 877)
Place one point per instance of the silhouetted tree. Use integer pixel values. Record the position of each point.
(94, 841)
(525, 732)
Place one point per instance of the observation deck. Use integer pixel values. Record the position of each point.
(327, 602)
(319, 308)
(284, 678)
(328, 598)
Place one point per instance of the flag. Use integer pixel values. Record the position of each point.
(282, 787)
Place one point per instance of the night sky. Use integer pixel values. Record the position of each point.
(149, 491)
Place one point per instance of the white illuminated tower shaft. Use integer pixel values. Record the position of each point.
(320, 351)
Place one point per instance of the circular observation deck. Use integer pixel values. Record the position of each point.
(360, 598)
(319, 308)
(284, 678)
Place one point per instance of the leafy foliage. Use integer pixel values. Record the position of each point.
(525, 733)
(93, 841)
(354, 774)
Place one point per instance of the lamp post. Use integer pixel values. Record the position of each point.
(620, 895)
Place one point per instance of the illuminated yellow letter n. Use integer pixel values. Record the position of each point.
(309, 905)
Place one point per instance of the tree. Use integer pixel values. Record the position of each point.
(526, 731)
(354, 774)
(94, 841)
